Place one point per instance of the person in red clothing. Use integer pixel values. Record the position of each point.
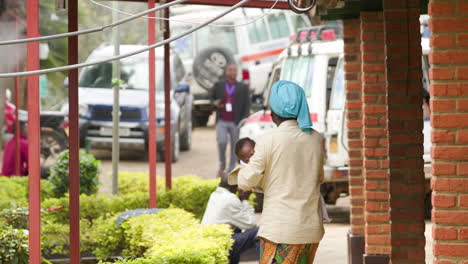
(9, 153)
(10, 117)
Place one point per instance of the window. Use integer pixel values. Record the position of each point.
(300, 71)
(184, 45)
(338, 96)
(278, 25)
(257, 31)
(299, 22)
(133, 72)
(217, 36)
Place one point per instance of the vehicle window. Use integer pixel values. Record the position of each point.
(217, 36)
(258, 31)
(338, 95)
(332, 62)
(288, 69)
(278, 25)
(298, 22)
(184, 45)
(134, 74)
(274, 78)
(300, 71)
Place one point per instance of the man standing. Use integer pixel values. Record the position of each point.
(288, 166)
(232, 101)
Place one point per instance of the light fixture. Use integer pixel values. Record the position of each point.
(301, 6)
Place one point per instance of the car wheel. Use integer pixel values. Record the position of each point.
(175, 149)
(186, 137)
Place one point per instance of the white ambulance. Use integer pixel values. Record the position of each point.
(314, 60)
(254, 47)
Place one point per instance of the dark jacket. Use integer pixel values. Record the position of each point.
(241, 104)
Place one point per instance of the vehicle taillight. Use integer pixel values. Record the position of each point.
(302, 35)
(245, 75)
(328, 34)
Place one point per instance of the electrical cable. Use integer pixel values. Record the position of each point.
(190, 22)
(166, 41)
(91, 30)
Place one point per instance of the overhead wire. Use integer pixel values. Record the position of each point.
(191, 22)
(91, 30)
(166, 41)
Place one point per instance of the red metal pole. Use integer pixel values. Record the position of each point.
(152, 109)
(167, 105)
(74, 137)
(32, 13)
(16, 124)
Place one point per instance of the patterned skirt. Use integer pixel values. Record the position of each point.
(271, 253)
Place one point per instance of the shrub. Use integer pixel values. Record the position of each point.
(89, 174)
(190, 192)
(13, 245)
(54, 238)
(14, 192)
(175, 236)
(104, 239)
(16, 217)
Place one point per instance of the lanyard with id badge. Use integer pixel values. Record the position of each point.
(230, 92)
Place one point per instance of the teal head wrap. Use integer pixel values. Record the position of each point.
(288, 100)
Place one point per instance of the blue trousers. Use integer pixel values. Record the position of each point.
(242, 242)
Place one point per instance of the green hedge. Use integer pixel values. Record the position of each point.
(101, 236)
(175, 236)
(14, 191)
(190, 193)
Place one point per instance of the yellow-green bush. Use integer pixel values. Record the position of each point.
(14, 191)
(175, 236)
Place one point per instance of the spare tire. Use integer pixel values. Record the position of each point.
(209, 66)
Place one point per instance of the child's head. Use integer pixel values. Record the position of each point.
(245, 148)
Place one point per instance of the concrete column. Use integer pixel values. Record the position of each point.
(352, 58)
(449, 119)
(405, 125)
(377, 228)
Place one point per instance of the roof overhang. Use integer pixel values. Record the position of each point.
(282, 4)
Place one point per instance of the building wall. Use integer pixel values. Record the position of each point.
(449, 119)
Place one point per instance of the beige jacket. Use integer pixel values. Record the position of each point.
(288, 167)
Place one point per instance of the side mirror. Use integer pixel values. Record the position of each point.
(183, 88)
(301, 6)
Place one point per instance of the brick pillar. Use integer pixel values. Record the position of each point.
(374, 139)
(352, 58)
(405, 124)
(449, 118)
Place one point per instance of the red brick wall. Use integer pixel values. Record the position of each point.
(449, 118)
(352, 41)
(405, 124)
(374, 134)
